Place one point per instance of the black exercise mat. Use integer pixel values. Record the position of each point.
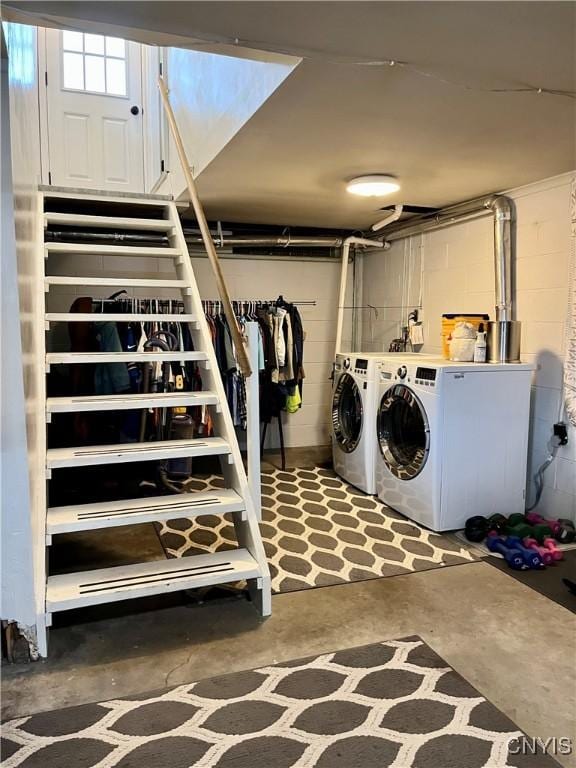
(548, 582)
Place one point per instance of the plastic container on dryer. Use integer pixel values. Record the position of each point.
(449, 322)
(463, 342)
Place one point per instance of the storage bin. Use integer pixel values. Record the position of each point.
(449, 323)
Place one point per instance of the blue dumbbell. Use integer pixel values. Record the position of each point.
(513, 557)
(532, 558)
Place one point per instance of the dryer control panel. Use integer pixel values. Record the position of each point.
(425, 377)
(404, 372)
(361, 366)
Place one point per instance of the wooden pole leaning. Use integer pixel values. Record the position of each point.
(237, 338)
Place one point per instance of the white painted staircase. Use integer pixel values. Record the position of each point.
(248, 562)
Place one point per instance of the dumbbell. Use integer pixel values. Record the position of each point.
(513, 557)
(571, 529)
(497, 523)
(517, 519)
(562, 530)
(476, 528)
(523, 530)
(544, 552)
(531, 557)
(552, 547)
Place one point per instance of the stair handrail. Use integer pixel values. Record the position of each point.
(237, 338)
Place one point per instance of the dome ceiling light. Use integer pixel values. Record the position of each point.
(376, 185)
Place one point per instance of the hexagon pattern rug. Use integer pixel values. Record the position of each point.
(395, 704)
(319, 531)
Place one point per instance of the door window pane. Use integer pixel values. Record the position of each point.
(72, 41)
(73, 71)
(94, 44)
(95, 78)
(116, 77)
(115, 47)
(94, 63)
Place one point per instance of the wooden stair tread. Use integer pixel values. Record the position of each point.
(109, 514)
(118, 317)
(108, 222)
(120, 282)
(107, 585)
(111, 250)
(120, 453)
(81, 403)
(122, 357)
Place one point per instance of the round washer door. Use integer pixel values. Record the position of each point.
(347, 412)
(403, 432)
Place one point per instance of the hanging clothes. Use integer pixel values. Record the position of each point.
(283, 351)
(280, 356)
(110, 378)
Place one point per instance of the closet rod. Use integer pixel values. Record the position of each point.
(263, 301)
(180, 303)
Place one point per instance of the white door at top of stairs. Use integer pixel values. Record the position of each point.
(93, 119)
(452, 439)
(353, 433)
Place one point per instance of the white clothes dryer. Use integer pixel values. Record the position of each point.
(452, 439)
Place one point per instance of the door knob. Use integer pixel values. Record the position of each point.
(134, 110)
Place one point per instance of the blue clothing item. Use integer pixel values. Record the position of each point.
(110, 378)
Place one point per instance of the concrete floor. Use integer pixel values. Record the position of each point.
(516, 646)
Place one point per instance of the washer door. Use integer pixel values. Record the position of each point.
(403, 432)
(347, 412)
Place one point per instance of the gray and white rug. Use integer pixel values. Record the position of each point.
(319, 531)
(395, 704)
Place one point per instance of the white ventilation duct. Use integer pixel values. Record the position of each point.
(359, 241)
(390, 219)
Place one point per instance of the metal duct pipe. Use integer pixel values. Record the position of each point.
(280, 241)
(504, 333)
(501, 208)
(453, 214)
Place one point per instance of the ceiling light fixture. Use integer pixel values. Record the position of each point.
(376, 185)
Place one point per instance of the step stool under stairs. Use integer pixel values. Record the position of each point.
(67, 212)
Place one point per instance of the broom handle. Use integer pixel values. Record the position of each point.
(237, 338)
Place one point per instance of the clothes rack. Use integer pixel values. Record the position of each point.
(137, 305)
(246, 310)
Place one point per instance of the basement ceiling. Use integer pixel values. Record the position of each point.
(334, 118)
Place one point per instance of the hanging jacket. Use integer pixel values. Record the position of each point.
(286, 372)
(298, 336)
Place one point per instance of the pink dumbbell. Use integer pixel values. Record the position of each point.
(544, 552)
(552, 547)
(562, 530)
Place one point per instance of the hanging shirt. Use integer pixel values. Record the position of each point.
(279, 340)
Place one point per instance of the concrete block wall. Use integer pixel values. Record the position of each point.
(452, 270)
(247, 279)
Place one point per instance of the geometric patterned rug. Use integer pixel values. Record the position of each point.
(319, 531)
(395, 704)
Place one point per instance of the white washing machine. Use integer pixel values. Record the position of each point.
(354, 396)
(452, 439)
(354, 406)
